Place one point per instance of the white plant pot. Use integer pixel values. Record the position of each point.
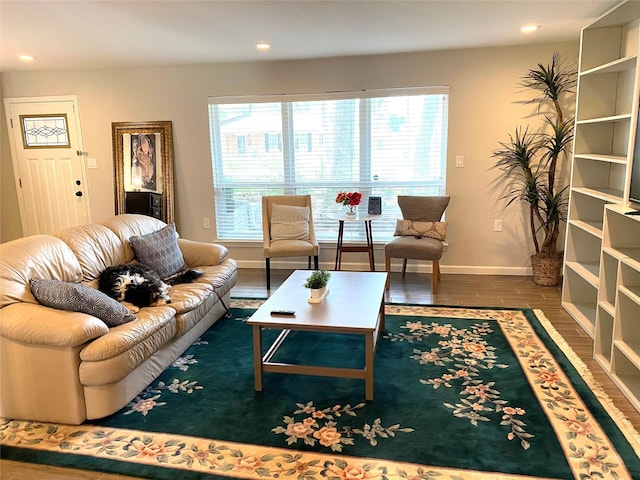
(317, 292)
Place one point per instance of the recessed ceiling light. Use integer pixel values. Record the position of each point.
(530, 28)
(26, 58)
(263, 47)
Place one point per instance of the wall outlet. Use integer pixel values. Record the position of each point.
(497, 225)
(206, 223)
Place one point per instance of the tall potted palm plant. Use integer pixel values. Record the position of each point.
(529, 162)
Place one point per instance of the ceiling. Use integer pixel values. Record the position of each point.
(89, 34)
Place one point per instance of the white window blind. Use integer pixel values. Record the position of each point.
(379, 143)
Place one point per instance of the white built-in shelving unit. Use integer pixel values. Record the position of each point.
(617, 332)
(601, 288)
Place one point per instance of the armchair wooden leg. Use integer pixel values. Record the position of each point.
(315, 262)
(404, 267)
(308, 263)
(387, 267)
(268, 262)
(435, 276)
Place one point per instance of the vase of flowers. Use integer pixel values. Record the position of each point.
(349, 199)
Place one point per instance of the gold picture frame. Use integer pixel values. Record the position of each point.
(143, 162)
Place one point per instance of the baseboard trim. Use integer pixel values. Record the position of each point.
(415, 267)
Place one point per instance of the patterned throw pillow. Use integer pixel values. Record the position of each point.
(76, 297)
(408, 228)
(289, 222)
(159, 251)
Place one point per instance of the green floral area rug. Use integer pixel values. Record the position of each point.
(460, 393)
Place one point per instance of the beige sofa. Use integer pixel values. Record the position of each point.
(66, 366)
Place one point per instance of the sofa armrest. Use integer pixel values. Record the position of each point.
(201, 253)
(39, 325)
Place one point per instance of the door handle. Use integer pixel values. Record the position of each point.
(78, 194)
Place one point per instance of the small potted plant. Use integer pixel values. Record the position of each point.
(317, 283)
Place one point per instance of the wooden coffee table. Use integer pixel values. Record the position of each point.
(354, 305)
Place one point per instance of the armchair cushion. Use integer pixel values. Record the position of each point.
(435, 230)
(289, 222)
(76, 297)
(415, 248)
(159, 251)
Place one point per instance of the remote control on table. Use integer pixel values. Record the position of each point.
(283, 313)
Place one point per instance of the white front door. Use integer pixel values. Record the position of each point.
(48, 163)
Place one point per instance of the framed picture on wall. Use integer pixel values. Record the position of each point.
(143, 161)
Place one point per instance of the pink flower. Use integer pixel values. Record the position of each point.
(152, 449)
(349, 199)
(298, 430)
(513, 411)
(327, 436)
(248, 464)
(354, 472)
(578, 427)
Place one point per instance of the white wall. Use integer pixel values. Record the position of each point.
(484, 108)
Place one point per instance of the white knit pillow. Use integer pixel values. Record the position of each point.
(289, 222)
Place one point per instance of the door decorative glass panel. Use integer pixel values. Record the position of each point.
(44, 131)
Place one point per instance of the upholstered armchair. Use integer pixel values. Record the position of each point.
(420, 235)
(287, 225)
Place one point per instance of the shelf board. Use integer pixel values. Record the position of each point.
(619, 15)
(588, 271)
(608, 307)
(619, 65)
(629, 385)
(584, 314)
(633, 290)
(603, 361)
(612, 252)
(608, 119)
(602, 158)
(632, 253)
(606, 194)
(631, 350)
(633, 293)
(594, 227)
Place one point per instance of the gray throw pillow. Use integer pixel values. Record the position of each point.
(76, 297)
(159, 251)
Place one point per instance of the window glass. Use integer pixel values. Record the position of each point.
(383, 143)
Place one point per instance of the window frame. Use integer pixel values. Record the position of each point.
(290, 145)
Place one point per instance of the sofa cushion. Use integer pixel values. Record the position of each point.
(113, 356)
(159, 251)
(127, 225)
(96, 248)
(76, 297)
(36, 256)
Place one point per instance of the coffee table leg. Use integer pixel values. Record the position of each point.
(257, 357)
(368, 362)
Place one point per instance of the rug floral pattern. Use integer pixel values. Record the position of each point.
(587, 448)
(466, 360)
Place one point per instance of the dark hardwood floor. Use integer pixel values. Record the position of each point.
(463, 290)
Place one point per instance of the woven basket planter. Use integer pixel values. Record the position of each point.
(546, 269)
